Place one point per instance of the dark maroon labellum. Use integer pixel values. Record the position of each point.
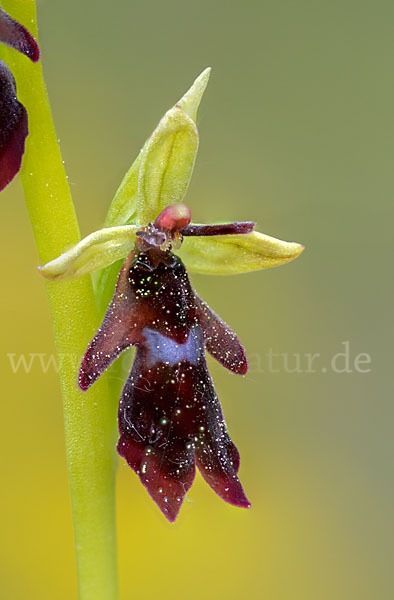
(13, 127)
(170, 419)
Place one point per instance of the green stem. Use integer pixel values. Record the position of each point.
(89, 417)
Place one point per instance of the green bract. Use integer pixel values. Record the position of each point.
(159, 177)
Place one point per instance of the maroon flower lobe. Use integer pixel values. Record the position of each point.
(221, 229)
(220, 340)
(13, 127)
(18, 37)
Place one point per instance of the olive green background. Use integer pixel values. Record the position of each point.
(297, 134)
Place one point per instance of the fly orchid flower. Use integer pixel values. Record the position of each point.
(169, 415)
(170, 419)
(13, 115)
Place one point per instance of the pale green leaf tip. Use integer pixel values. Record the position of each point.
(191, 100)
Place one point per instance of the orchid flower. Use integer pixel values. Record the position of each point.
(13, 115)
(170, 419)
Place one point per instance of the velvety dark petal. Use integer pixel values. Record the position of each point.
(18, 37)
(13, 128)
(220, 340)
(218, 458)
(221, 229)
(118, 331)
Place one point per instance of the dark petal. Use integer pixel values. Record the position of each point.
(216, 456)
(118, 331)
(222, 229)
(221, 341)
(13, 128)
(218, 463)
(18, 37)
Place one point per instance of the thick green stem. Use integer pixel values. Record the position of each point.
(90, 417)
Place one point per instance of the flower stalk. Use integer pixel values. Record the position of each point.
(90, 422)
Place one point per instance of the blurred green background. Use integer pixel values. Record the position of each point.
(297, 134)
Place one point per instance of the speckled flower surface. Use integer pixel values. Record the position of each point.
(170, 419)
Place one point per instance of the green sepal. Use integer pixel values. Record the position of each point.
(233, 254)
(97, 250)
(161, 173)
(167, 163)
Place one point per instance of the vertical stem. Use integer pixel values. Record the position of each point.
(90, 417)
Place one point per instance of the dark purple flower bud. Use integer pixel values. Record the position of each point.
(18, 37)
(13, 127)
(170, 419)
